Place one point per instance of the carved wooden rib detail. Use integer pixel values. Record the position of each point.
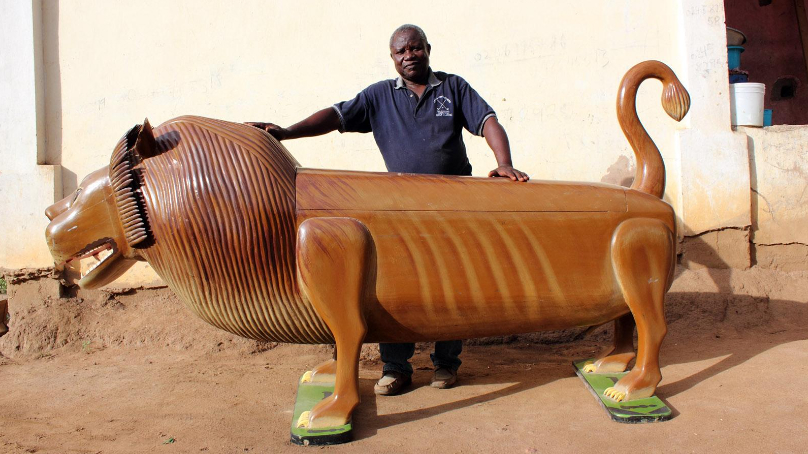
(222, 209)
(125, 183)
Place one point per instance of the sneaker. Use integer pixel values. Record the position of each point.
(444, 378)
(392, 383)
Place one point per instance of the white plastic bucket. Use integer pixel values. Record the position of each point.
(746, 103)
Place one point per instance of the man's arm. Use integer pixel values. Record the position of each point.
(319, 123)
(498, 141)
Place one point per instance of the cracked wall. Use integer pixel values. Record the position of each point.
(778, 157)
(727, 247)
(714, 215)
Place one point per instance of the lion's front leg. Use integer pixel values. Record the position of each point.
(325, 372)
(333, 260)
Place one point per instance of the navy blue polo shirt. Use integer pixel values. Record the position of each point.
(418, 135)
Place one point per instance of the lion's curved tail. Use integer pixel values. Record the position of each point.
(650, 175)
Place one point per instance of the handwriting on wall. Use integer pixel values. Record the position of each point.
(705, 59)
(713, 12)
(708, 59)
(550, 47)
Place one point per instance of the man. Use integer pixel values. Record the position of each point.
(417, 121)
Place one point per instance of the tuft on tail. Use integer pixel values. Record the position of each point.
(650, 174)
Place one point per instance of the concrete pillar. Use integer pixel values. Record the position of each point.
(715, 210)
(28, 184)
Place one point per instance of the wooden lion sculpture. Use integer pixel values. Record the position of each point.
(258, 246)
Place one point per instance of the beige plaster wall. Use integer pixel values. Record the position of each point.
(27, 182)
(550, 70)
(779, 156)
(714, 161)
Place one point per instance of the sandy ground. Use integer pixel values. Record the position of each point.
(129, 372)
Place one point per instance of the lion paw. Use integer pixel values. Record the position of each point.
(303, 420)
(614, 394)
(306, 378)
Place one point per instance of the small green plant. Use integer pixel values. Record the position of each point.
(169, 441)
(85, 346)
(3, 286)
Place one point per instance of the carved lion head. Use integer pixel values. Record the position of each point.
(104, 217)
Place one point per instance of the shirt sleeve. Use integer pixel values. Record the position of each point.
(354, 115)
(475, 110)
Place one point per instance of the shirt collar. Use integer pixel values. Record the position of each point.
(432, 80)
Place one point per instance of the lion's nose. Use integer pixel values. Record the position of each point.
(57, 208)
(50, 212)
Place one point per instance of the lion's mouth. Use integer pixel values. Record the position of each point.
(91, 260)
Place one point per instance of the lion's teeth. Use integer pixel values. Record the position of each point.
(98, 258)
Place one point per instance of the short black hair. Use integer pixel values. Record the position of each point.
(416, 28)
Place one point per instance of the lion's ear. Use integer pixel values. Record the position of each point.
(145, 145)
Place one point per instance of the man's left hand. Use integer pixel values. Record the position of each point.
(509, 172)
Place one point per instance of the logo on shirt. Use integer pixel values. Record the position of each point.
(442, 106)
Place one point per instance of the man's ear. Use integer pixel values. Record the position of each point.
(428, 48)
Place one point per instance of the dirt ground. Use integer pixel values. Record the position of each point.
(136, 372)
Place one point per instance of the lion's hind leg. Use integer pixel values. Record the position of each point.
(642, 255)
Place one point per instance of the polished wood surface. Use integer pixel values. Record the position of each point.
(650, 174)
(259, 247)
(382, 191)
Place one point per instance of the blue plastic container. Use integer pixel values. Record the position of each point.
(738, 78)
(734, 56)
(767, 117)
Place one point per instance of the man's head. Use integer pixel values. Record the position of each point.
(409, 50)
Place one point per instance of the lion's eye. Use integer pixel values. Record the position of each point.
(76, 196)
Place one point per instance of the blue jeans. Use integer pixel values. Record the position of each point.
(396, 357)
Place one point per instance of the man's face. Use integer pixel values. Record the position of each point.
(411, 55)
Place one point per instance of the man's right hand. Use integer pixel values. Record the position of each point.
(320, 122)
(274, 130)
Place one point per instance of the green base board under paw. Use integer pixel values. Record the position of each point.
(650, 409)
(308, 394)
